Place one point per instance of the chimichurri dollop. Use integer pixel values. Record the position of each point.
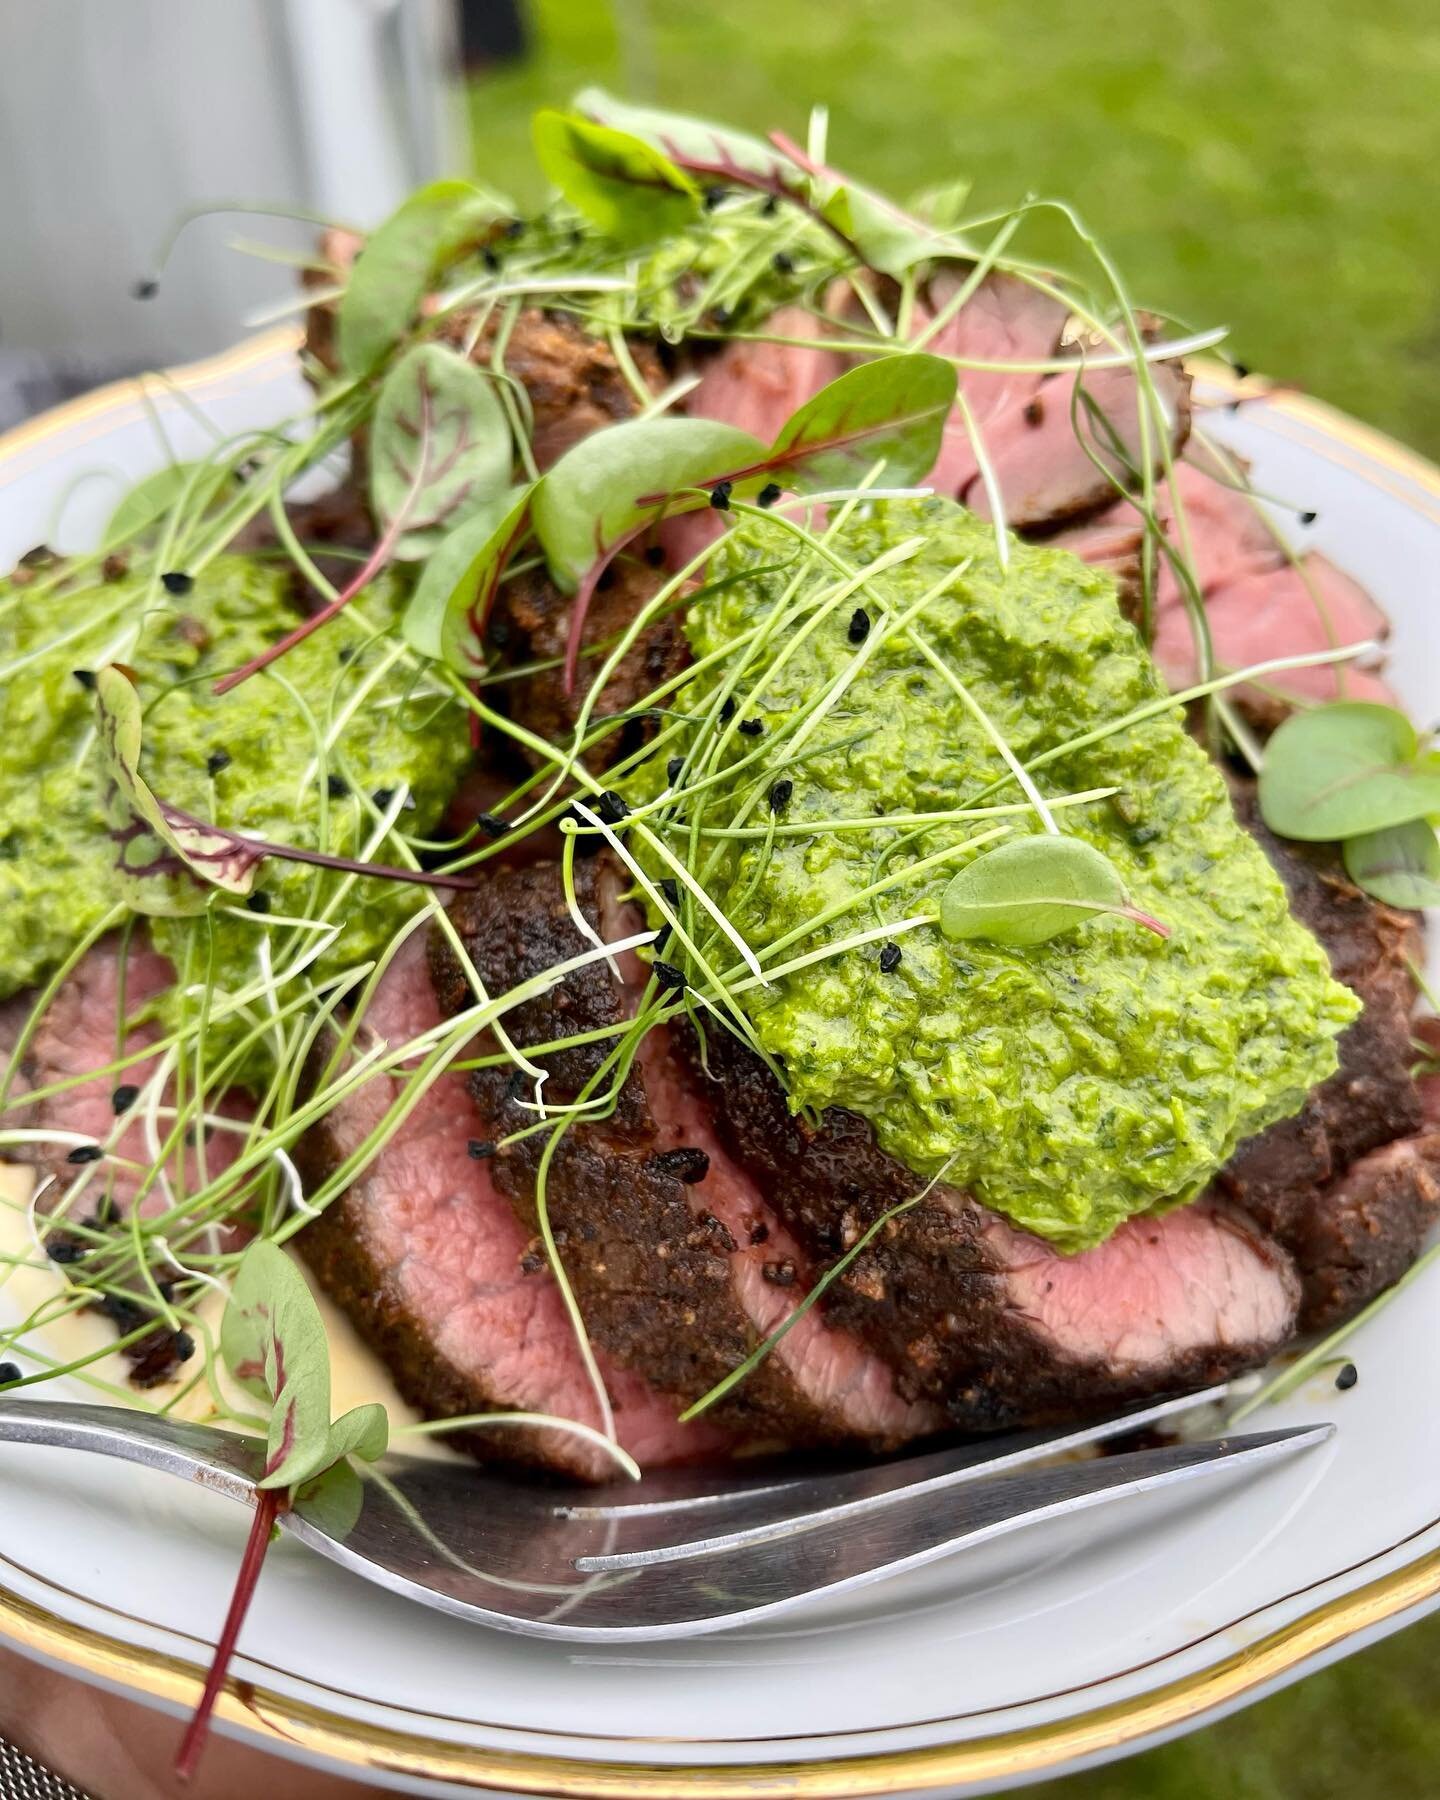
(1069, 1084)
(286, 758)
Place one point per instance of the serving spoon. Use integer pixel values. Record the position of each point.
(679, 1554)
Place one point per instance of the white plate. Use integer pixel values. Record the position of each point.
(1061, 1647)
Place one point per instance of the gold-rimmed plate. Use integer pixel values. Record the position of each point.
(1065, 1645)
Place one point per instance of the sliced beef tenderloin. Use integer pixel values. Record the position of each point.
(428, 1259)
(75, 1036)
(1361, 1233)
(988, 1323)
(1059, 455)
(531, 623)
(1005, 321)
(1323, 1182)
(680, 1264)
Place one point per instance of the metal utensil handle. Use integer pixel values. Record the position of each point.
(221, 1460)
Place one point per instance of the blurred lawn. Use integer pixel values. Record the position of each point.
(1266, 165)
(1256, 163)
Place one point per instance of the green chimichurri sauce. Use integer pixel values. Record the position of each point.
(251, 761)
(1070, 1084)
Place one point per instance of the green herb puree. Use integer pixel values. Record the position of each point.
(249, 761)
(1076, 1082)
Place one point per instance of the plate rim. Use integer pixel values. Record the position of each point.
(287, 1724)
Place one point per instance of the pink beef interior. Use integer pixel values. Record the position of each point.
(1160, 1287)
(450, 1249)
(770, 1273)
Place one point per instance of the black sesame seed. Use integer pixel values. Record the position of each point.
(611, 808)
(783, 263)
(182, 1346)
(1347, 1378)
(661, 939)
(771, 206)
(345, 652)
(478, 1149)
(124, 1098)
(674, 769)
(722, 315)
(515, 1087)
(769, 494)
(727, 710)
(492, 827)
(780, 795)
(176, 581)
(685, 1164)
(9, 1372)
(86, 677)
(336, 786)
(258, 902)
(85, 1153)
(670, 888)
(145, 289)
(713, 196)
(1308, 517)
(889, 959)
(668, 975)
(1242, 370)
(216, 761)
(720, 496)
(859, 627)
(490, 259)
(655, 555)
(63, 1250)
(382, 797)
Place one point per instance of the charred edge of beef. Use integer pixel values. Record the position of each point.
(652, 1276)
(1370, 1101)
(531, 623)
(934, 1293)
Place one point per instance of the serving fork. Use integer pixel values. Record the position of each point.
(680, 1553)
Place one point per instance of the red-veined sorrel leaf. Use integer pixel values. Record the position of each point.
(169, 862)
(713, 151)
(1034, 888)
(400, 260)
(447, 615)
(273, 1341)
(627, 187)
(440, 449)
(894, 408)
(591, 502)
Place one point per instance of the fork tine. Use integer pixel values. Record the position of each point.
(686, 1490)
(730, 1519)
(762, 1580)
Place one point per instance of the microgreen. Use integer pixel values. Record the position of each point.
(1034, 888)
(154, 497)
(1399, 865)
(400, 261)
(1347, 768)
(632, 191)
(273, 1341)
(448, 612)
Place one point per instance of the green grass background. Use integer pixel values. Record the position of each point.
(1273, 165)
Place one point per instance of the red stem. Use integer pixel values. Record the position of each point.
(267, 1509)
(379, 556)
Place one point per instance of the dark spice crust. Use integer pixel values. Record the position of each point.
(652, 1278)
(531, 623)
(930, 1294)
(1371, 1100)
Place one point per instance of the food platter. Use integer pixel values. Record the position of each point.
(1071, 1644)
